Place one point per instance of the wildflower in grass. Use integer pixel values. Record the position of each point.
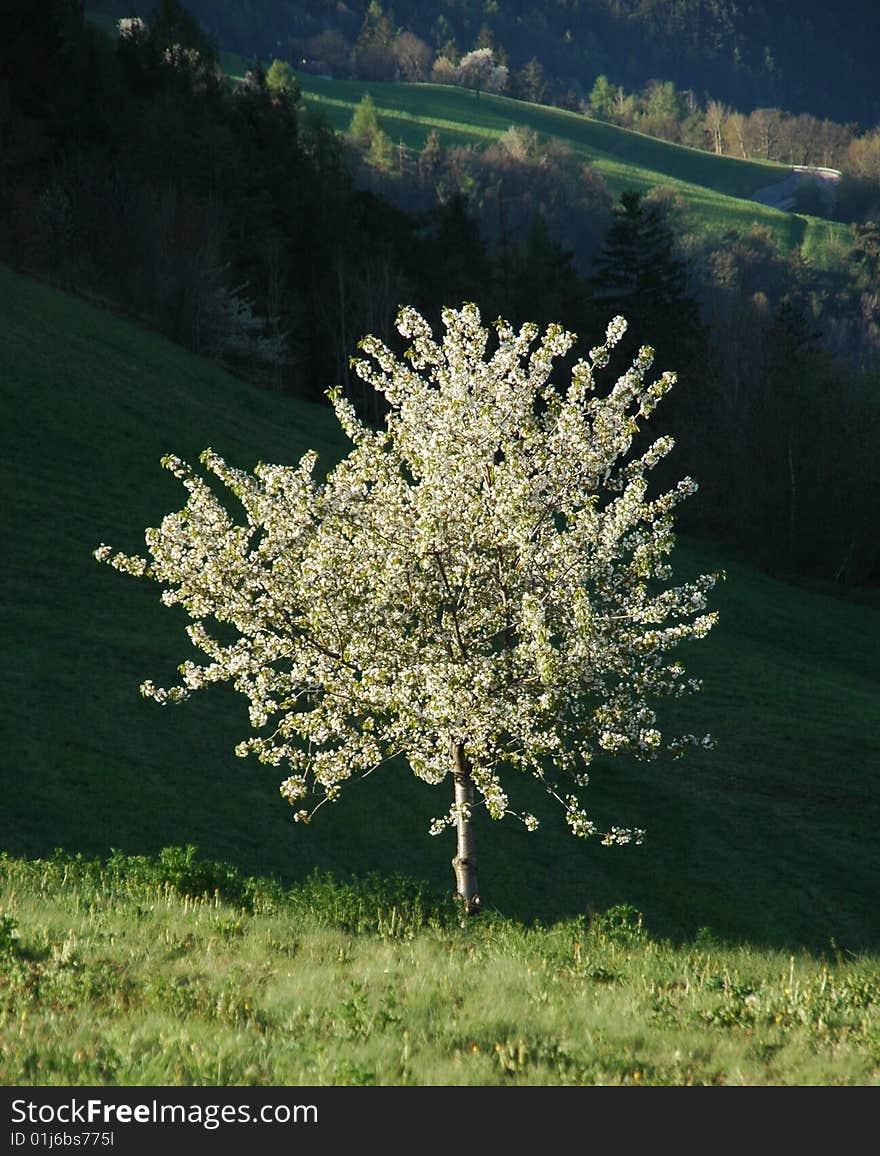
(479, 586)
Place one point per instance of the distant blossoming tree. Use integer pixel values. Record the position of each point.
(481, 586)
(478, 70)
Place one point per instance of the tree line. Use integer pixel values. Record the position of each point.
(222, 214)
(806, 56)
(662, 70)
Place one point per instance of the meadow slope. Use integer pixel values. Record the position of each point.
(772, 837)
(716, 191)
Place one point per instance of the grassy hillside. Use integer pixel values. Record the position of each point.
(715, 189)
(773, 837)
(129, 974)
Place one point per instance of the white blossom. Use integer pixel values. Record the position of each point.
(487, 569)
(132, 28)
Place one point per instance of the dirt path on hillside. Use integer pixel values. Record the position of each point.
(783, 194)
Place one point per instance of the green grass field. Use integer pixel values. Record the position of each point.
(771, 839)
(172, 971)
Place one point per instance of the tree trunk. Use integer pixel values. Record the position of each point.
(465, 861)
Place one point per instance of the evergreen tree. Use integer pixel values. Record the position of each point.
(364, 122)
(601, 99)
(454, 260)
(801, 444)
(638, 274)
(531, 84)
(381, 151)
(280, 79)
(539, 276)
(373, 52)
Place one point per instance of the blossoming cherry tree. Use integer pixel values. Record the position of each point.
(480, 586)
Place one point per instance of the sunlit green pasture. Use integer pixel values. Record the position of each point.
(715, 190)
(174, 972)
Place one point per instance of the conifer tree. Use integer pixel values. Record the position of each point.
(637, 273)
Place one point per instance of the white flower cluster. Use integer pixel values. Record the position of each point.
(132, 28)
(620, 836)
(484, 570)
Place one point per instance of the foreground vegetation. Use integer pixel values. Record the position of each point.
(178, 971)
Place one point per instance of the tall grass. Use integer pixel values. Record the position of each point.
(128, 972)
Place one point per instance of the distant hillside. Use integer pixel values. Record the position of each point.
(804, 56)
(772, 837)
(716, 191)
